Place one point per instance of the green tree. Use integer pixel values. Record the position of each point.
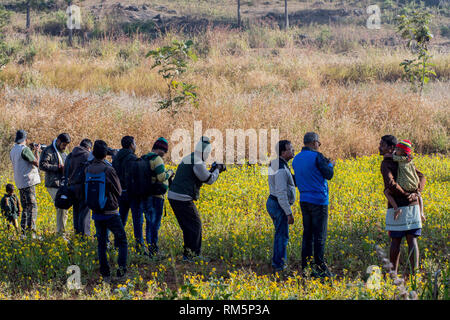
(414, 27)
(172, 62)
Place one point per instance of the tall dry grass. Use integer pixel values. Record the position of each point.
(106, 89)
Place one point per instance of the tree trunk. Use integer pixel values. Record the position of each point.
(28, 20)
(239, 13)
(286, 17)
(71, 24)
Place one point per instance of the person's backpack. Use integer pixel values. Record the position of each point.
(141, 184)
(95, 190)
(140, 178)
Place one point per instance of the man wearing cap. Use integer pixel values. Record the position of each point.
(109, 217)
(154, 204)
(26, 176)
(312, 170)
(185, 189)
(52, 163)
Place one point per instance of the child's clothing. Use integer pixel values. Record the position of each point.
(10, 207)
(407, 177)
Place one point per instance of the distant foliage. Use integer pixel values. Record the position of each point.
(4, 48)
(415, 28)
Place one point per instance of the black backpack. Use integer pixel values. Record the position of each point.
(141, 184)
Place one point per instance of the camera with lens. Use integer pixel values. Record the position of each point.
(112, 152)
(219, 166)
(34, 145)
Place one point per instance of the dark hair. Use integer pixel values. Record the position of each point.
(64, 138)
(9, 187)
(86, 143)
(127, 141)
(100, 149)
(282, 146)
(390, 140)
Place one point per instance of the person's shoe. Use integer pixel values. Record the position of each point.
(121, 272)
(201, 259)
(106, 279)
(324, 272)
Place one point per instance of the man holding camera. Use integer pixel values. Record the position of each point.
(25, 163)
(185, 189)
(52, 163)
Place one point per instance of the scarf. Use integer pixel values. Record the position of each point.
(57, 152)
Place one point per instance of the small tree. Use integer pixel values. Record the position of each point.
(415, 28)
(172, 62)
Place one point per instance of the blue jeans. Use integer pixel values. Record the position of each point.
(120, 238)
(125, 204)
(315, 220)
(281, 238)
(153, 210)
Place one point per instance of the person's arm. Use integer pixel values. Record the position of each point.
(422, 181)
(159, 169)
(45, 162)
(30, 156)
(3, 206)
(204, 175)
(115, 186)
(281, 180)
(389, 181)
(16, 199)
(325, 166)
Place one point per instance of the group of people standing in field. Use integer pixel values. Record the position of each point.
(403, 186)
(111, 189)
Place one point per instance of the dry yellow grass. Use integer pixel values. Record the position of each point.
(349, 99)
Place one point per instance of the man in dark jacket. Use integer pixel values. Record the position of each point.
(312, 170)
(121, 163)
(52, 163)
(108, 218)
(73, 164)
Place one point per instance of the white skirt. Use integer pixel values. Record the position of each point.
(408, 219)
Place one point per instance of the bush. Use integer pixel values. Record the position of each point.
(445, 31)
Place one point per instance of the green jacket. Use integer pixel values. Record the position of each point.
(10, 206)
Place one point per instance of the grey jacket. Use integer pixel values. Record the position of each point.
(25, 174)
(49, 164)
(281, 184)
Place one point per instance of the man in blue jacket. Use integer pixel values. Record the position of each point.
(312, 170)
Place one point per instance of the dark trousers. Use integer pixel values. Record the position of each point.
(189, 220)
(125, 204)
(114, 224)
(29, 208)
(281, 238)
(153, 210)
(81, 218)
(315, 220)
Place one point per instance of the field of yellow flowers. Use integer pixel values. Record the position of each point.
(237, 237)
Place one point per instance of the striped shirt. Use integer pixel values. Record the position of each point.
(157, 166)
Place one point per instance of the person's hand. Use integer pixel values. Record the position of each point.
(221, 167)
(37, 148)
(412, 197)
(290, 219)
(61, 167)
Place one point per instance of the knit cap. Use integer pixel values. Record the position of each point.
(162, 144)
(405, 145)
